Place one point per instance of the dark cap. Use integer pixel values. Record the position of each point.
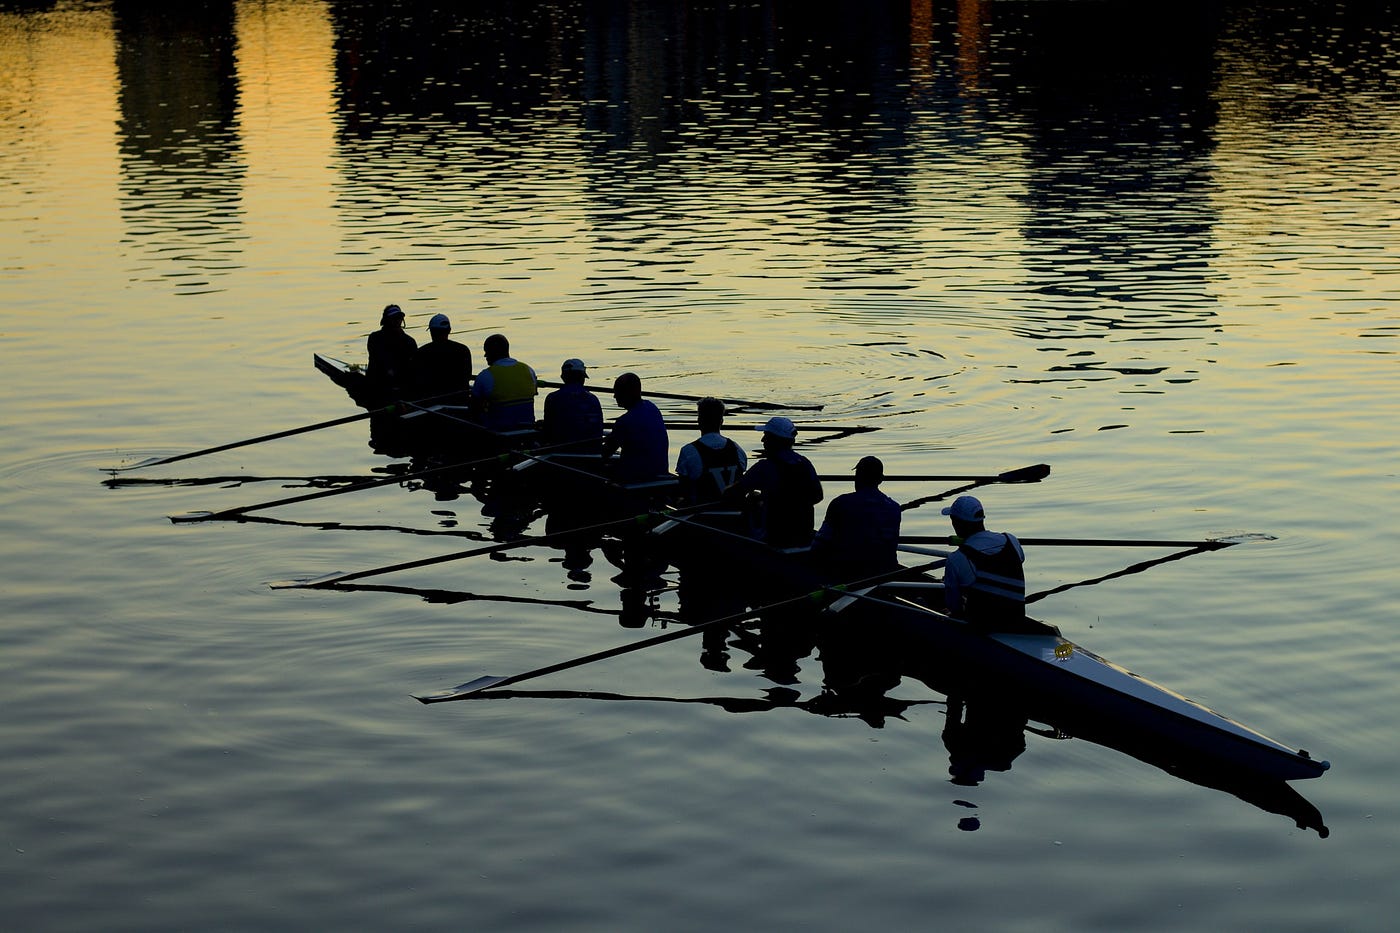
(870, 469)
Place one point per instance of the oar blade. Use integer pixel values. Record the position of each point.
(140, 464)
(461, 690)
(306, 582)
(1030, 474)
(187, 517)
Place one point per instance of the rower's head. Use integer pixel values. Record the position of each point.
(391, 317)
(710, 413)
(870, 473)
(779, 433)
(967, 515)
(496, 347)
(573, 372)
(627, 390)
(439, 327)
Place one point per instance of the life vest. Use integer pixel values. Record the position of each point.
(719, 468)
(511, 384)
(998, 594)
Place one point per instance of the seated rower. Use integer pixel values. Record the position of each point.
(442, 368)
(390, 368)
(786, 487)
(712, 462)
(573, 416)
(505, 390)
(638, 435)
(984, 581)
(860, 536)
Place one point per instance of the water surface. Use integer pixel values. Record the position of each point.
(1155, 250)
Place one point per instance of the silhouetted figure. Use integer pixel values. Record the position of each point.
(860, 535)
(505, 389)
(572, 414)
(638, 437)
(442, 368)
(711, 463)
(984, 581)
(786, 488)
(389, 371)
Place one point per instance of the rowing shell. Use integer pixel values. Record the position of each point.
(1074, 689)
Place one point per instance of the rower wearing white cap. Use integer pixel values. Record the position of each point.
(984, 581)
(572, 414)
(391, 352)
(442, 366)
(786, 486)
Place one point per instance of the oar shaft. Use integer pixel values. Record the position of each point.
(738, 403)
(161, 461)
(913, 478)
(801, 428)
(1080, 542)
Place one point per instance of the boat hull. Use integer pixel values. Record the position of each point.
(1078, 692)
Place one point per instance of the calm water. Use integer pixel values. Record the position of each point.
(1157, 251)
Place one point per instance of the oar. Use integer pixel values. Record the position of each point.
(1210, 544)
(338, 491)
(1029, 474)
(161, 461)
(502, 457)
(1134, 568)
(331, 579)
(801, 428)
(739, 403)
(462, 691)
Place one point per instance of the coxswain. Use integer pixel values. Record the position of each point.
(786, 487)
(984, 581)
(442, 367)
(712, 462)
(505, 390)
(638, 436)
(860, 534)
(391, 352)
(573, 415)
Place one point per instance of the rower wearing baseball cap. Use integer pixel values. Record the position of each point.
(442, 367)
(860, 535)
(572, 414)
(984, 581)
(391, 351)
(786, 486)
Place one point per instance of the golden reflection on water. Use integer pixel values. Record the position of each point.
(58, 152)
(286, 81)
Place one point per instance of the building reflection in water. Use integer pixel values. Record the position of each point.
(182, 166)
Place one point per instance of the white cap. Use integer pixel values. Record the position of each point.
(966, 509)
(439, 322)
(781, 427)
(573, 366)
